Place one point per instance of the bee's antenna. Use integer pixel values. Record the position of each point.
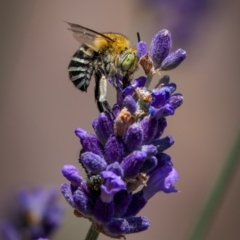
(138, 36)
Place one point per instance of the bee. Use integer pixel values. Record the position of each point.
(105, 55)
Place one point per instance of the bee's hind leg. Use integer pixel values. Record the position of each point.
(101, 93)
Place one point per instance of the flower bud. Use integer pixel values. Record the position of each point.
(133, 137)
(141, 49)
(173, 60)
(71, 173)
(133, 163)
(160, 47)
(114, 149)
(93, 162)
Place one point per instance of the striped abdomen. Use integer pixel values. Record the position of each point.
(81, 67)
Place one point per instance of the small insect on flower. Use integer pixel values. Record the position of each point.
(105, 55)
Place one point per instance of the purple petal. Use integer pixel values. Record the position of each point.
(168, 110)
(134, 137)
(137, 203)
(133, 163)
(103, 126)
(173, 60)
(161, 179)
(163, 81)
(163, 143)
(137, 83)
(116, 109)
(160, 47)
(115, 168)
(129, 90)
(149, 164)
(150, 150)
(71, 173)
(112, 184)
(93, 162)
(120, 226)
(122, 200)
(162, 124)
(158, 113)
(67, 193)
(149, 126)
(117, 226)
(169, 181)
(83, 203)
(163, 160)
(141, 49)
(176, 100)
(137, 224)
(130, 104)
(172, 87)
(89, 142)
(114, 149)
(160, 97)
(103, 211)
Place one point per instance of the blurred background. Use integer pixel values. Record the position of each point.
(40, 108)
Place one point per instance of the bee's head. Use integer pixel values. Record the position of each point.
(128, 61)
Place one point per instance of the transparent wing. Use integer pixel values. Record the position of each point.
(85, 35)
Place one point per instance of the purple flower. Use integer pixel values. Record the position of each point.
(161, 178)
(40, 214)
(159, 52)
(107, 206)
(9, 232)
(124, 160)
(111, 185)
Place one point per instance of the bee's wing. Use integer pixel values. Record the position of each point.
(86, 35)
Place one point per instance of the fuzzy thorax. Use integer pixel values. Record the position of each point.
(118, 45)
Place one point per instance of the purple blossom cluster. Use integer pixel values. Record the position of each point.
(160, 51)
(38, 215)
(124, 160)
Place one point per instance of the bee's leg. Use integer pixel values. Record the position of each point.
(101, 92)
(97, 91)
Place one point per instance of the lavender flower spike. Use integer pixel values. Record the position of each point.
(124, 161)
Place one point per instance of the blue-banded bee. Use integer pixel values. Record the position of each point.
(104, 54)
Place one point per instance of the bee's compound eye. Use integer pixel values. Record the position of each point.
(127, 61)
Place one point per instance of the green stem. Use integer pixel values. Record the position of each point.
(216, 194)
(92, 233)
